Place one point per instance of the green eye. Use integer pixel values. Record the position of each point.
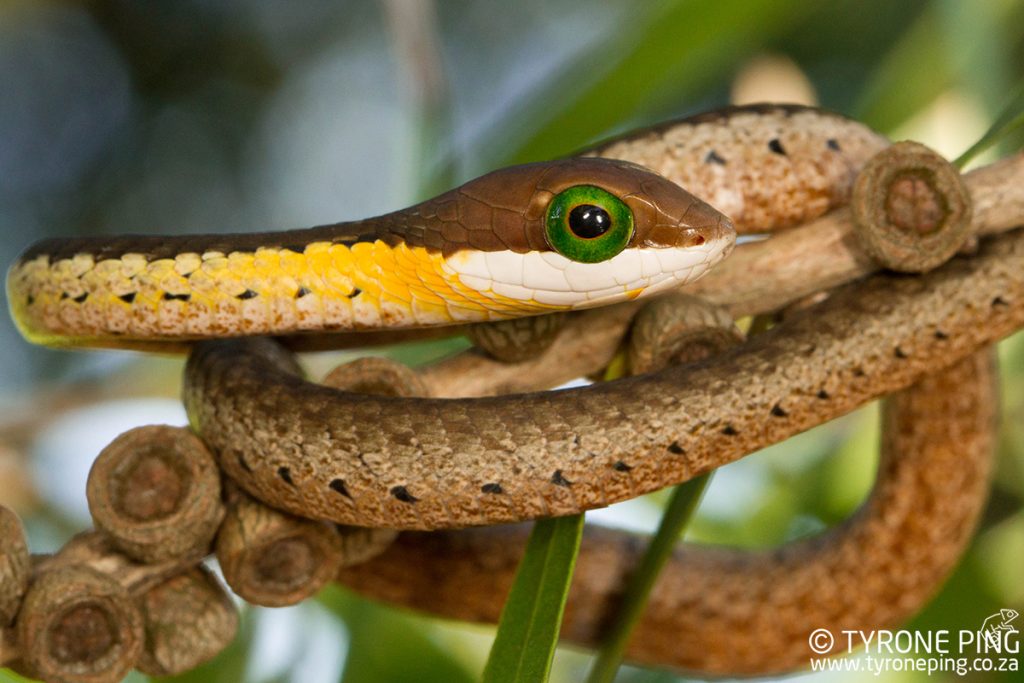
(588, 224)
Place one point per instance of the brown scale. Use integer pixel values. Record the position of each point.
(664, 426)
(459, 463)
(765, 166)
(498, 211)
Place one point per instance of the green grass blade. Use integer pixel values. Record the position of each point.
(532, 617)
(680, 509)
(1010, 120)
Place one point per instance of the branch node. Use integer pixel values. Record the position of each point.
(79, 625)
(189, 619)
(15, 565)
(518, 339)
(155, 491)
(271, 558)
(679, 328)
(376, 375)
(911, 208)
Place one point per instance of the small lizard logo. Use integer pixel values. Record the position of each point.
(994, 626)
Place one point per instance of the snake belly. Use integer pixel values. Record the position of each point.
(525, 240)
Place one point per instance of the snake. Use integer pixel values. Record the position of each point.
(531, 239)
(610, 225)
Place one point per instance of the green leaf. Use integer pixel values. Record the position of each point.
(1010, 120)
(528, 631)
(681, 507)
(8, 676)
(667, 53)
(390, 645)
(901, 86)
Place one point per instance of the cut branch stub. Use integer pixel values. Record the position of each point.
(376, 375)
(518, 339)
(360, 544)
(676, 329)
(188, 619)
(911, 208)
(78, 625)
(156, 493)
(15, 566)
(271, 558)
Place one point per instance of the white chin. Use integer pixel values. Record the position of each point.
(548, 280)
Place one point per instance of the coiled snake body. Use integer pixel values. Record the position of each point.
(435, 463)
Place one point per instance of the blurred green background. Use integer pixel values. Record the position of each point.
(198, 115)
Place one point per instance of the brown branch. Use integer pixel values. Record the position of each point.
(765, 276)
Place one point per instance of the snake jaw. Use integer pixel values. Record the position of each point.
(547, 281)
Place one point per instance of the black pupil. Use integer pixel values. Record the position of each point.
(589, 221)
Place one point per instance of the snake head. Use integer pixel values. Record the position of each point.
(582, 232)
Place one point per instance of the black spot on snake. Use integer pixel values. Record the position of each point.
(128, 298)
(301, 292)
(675, 449)
(999, 301)
(776, 146)
(402, 494)
(176, 297)
(558, 480)
(247, 294)
(80, 299)
(822, 394)
(833, 144)
(338, 486)
(621, 467)
(286, 475)
(729, 430)
(713, 157)
(899, 353)
(858, 372)
(492, 488)
(64, 295)
(354, 293)
(778, 411)
(939, 334)
(29, 300)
